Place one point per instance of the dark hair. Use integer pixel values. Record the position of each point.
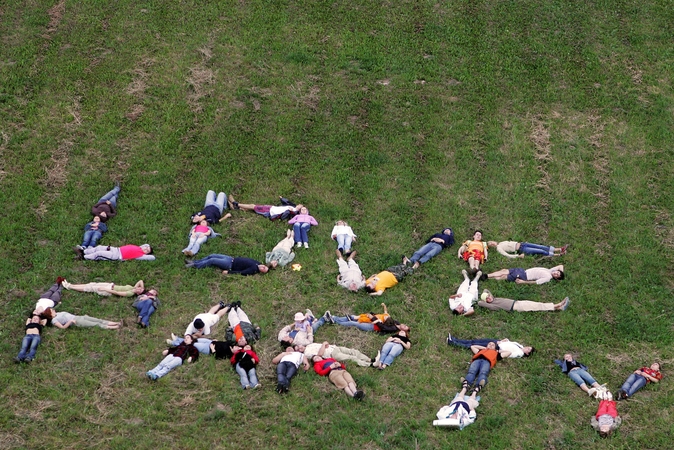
(561, 276)
(285, 344)
(526, 355)
(151, 249)
(477, 230)
(451, 236)
(368, 289)
(198, 324)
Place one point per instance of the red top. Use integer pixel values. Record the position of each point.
(323, 368)
(653, 373)
(131, 251)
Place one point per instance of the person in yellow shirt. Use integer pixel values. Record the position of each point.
(474, 252)
(378, 283)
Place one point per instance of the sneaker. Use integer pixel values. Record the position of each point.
(567, 301)
(169, 341)
(478, 275)
(406, 260)
(591, 391)
(223, 305)
(449, 338)
(151, 375)
(306, 245)
(309, 313)
(484, 277)
(298, 245)
(359, 395)
(189, 263)
(478, 388)
(257, 386)
(173, 336)
(79, 252)
(377, 358)
(328, 317)
(17, 360)
(464, 273)
(563, 250)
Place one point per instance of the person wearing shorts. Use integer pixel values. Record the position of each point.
(535, 275)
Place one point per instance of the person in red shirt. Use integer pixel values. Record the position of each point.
(638, 379)
(337, 374)
(123, 253)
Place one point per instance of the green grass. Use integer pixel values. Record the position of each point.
(542, 121)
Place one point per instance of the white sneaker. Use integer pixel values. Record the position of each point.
(169, 341)
(306, 245)
(608, 396)
(591, 391)
(299, 244)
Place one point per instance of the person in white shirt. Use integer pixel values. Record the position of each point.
(515, 349)
(462, 302)
(535, 275)
(287, 364)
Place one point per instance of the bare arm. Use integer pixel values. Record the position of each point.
(385, 309)
(469, 313)
(305, 361)
(119, 293)
(476, 348)
(461, 250)
(504, 354)
(59, 325)
(377, 293)
(277, 359)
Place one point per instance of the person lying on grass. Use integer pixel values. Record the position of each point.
(350, 276)
(341, 354)
(299, 332)
(287, 364)
(199, 234)
(638, 379)
(338, 375)
(378, 283)
(484, 359)
(32, 338)
(285, 211)
(282, 254)
(244, 361)
(460, 412)
(238, 265)
(514, 349)
(433, 246)
(392, 348)
(506, 304)
(302, 223)
(535, 275)
(577, 371)
(93, 232)
(107, 289)
(174, 357)
(64, 319)
(344, 235)
(212, 210)
(607, 419)
(202, 323)
(462, 302)
(106, 206)
(49, 300)
(146, 304)
(474, 252)
(123, 253)
(380, 323)
(513, 249)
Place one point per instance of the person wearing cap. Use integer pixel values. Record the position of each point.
(535, 275)
(434, 245)
(299, 332)
(202, 323)
(461, 303)
(515, 349)
(505, 304)
(123, 253)
(513, 249)
(350, 276)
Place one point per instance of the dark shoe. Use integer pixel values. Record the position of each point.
(79, 252)
(223, 305)
(405, 260)
(60, 280)
(189, 263)
(359, 395)
(484, 277)
(328, 317)
(17, 360)
(27, 359)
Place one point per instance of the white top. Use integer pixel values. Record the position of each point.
(541, 274)
(208, 319)
(44, 303)
(294, 357)
(311, 350)
(514, 348)
(276, 210)
(507, 248)
(467, 299)
(342, 229)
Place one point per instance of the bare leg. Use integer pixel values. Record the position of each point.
(499, 274)
(247, 206)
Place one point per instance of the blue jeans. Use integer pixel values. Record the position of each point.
(426, 252)
(633, 383)
(536, 249)
(345, 322)
(301, 232)
(580, 377)
(284, 372)
(202, 344)
(344, 241)
(389, 352)
(478, 371)
(195, 244)
(223, 262)
(466, 343)
(145, 310)
(91, 238)
(111, 196)
(219, 202)
(29, 346)
(316, 324)
(248, 379)
(166, 365)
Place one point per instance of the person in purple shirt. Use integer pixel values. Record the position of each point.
(242, 266)
(434, 245)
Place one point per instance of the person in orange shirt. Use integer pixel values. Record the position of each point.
(484, 359)
(474, 252)
(378, 283)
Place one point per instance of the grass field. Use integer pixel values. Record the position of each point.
(544, 121)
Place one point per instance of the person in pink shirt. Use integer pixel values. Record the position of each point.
(199, 234)
(123, 253)
(301, 224)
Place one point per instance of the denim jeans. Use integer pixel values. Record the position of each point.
(536, 249)
(466, 343)
(219, 202)
(166, 365)
(389, 352)
(223, 262)
(111, 196)
(580, 377)
(248, 379)
(91, 238)
(633, 383)
(29, 346)
(145, 310)
(426, 252)
(316, 324)
(345, 322)
(344, 241)
(478, 371)
(195, 243)
(284, 372)
(301, 231)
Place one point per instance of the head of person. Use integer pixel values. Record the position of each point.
(477, 235)
(403, 327)
(299, 348)
(299, 318)
(102, 214)
(196, 218)
(655, 366)
(491, 345)
(528, 351)
(459, 310)
(247, 347)
(263, 268)
(304, 210)
(146, 249)
(487, 296)
(298, 208)
(48, 314)
(189, 339)
(286, 342)
(568, 357)
(341, 223)
(35, 318)
(97, 219)
(605, 430)
(557, 275)
(220, 349)
(450, 233)
(199, 324)
(241, 342)
(316, 358)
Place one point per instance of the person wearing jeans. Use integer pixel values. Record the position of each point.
(243, 266)
(434, 245)
(32, 339)
(146, 305)
(484, 359)
(174, 357)
(244, 362)
(638, 379)
(288, 363)
(212, 210)
(344, 235)
(93, 232)
(513, 249)
(393, 347)
(301, 224)
(106, 206)
(579, 374)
